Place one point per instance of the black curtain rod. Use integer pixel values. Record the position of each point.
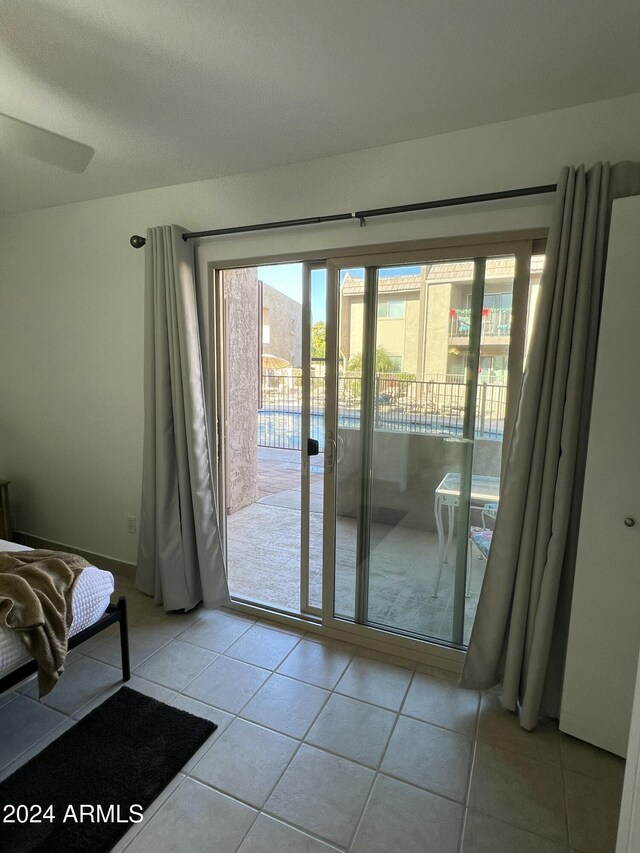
(138, 242)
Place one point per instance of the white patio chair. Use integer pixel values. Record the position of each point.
(480, 537)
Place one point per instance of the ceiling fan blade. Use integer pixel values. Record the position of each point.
(44, 144)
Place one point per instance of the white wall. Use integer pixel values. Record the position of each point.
(71, 290)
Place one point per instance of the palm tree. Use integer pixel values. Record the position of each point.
(384, 362)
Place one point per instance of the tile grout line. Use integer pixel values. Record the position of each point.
(32, 746)
(166, 686)
(303, 742)
(479, 740)
(564, 800)
(141, 826)
(133, 667)
(157, 811)
(387, 774)
(219, 655)
(526, 830)
(304, 830)
(474, 747)
(367, 799)
(377, 771)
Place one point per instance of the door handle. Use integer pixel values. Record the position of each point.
(340, 449)
(330, 448)
(313, 447)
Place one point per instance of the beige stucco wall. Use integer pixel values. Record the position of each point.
(390, 335)
(241, 288)
(353, 345)
(437, 344)
(411, 334)
(285, 326)
(399, 336)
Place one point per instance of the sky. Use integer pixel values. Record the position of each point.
(287, 278)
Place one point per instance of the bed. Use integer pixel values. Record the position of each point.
(92, 613)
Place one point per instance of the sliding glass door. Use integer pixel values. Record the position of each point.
(365, 407)
(271, 346)
(426, 354)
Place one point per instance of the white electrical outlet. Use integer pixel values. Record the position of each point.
(131, 524)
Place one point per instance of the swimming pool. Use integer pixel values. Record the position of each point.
(284, 429)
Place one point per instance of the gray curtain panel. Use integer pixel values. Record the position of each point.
(520, 632)
(179, 554)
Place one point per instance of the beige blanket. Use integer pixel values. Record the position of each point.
(35, 600)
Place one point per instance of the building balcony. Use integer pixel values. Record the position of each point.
(496, 324)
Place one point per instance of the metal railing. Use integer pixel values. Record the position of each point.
(496, 322)
(400, 405)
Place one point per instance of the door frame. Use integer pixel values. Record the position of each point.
(528, 241)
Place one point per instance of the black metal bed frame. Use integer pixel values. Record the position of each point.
(115, 613)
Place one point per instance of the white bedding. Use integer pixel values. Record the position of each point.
(90, 599)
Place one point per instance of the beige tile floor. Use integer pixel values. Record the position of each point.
(324, 746)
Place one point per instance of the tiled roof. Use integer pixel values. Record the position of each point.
(463, 270)
(388, 284)
(440, 272)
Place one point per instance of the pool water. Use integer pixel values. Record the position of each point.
(284, 429)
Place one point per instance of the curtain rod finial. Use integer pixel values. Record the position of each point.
(137, 241)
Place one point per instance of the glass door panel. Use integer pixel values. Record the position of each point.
(263, 369)
(417, 410)
(424, 362)
(421, 447)
(274, 433)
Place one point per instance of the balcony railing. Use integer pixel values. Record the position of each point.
(496, 322)
(400, 405)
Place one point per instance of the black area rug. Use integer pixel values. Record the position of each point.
(114, 762)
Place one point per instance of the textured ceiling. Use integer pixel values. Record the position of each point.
(175, 92)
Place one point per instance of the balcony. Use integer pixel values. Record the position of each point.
(496, 324)
(263, 557)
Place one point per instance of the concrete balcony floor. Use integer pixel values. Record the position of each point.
(264, 558)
